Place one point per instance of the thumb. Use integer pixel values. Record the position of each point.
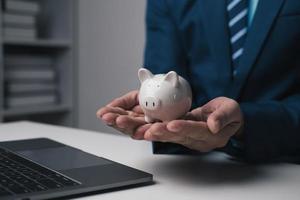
(227, 113)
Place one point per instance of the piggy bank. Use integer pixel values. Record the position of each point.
(163, 97)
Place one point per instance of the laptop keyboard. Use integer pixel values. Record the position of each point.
(19, 175)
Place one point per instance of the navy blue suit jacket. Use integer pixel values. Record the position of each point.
(191, 37)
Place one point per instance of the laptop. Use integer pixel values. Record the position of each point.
(43, 169)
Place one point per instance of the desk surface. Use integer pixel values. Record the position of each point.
(176, 177)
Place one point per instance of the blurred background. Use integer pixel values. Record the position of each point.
(60, 60)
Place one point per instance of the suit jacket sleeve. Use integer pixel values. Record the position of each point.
(271, 129)
(163, 52)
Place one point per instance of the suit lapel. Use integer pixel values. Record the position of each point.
(215, 24)
(264, 18)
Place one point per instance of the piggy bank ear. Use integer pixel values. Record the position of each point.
(144, 74)
(173, 78)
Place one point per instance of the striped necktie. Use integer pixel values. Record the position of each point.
(237, 23)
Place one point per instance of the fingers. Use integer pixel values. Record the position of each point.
(110, 118)
(135, 127)
(192, 134)
(216, 121)
(128, 121)
(199, 114)
(125, 115)
(186, 128)
(137, 109)
(127, 102)
(159, 132)
(190, 116)
(228, 112)
(129, 124)
(108, 109)
(178, 131)
(196, 135)
(110, 114)
(140, 132)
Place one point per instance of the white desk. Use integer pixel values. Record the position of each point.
(176, 177)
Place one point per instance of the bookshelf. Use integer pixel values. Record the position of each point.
(54, 43)
(50, 25)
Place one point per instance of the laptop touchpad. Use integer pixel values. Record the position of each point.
(63, 158)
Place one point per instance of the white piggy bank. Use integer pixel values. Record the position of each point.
(163, 97)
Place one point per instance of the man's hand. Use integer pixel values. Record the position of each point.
(204, 129)
(125, 115)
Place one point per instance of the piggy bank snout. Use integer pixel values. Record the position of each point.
(151, 103)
